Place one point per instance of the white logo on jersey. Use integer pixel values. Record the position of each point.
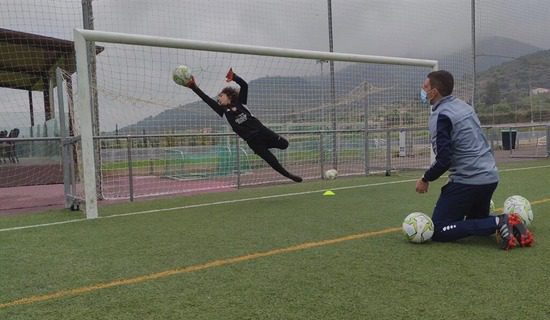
(241, 118)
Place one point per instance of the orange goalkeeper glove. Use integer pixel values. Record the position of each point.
(191, 84)
(229, 75)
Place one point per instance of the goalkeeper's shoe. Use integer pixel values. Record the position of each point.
(523, 236)
(505, 229)
(295, 178)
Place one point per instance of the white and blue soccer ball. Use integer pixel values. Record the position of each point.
(418, 227)
(331, 174)
(520, 206)
(182, 75)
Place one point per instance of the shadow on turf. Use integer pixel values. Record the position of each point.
(478, 242)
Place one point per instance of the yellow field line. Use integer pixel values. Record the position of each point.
(540, 201)
(211, 264)
(198, 267)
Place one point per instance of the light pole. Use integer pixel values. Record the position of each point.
(332, 88)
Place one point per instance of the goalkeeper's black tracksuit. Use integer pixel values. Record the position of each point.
(258, 137)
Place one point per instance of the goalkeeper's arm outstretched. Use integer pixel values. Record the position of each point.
(231, 104)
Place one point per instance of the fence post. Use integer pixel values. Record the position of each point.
(510, 139)
(491, 133)
(321, 154)
(130, 169)
(388, 153)
(366, 126)
(366, 138)
(238, 159)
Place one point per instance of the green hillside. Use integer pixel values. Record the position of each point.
(505, 92)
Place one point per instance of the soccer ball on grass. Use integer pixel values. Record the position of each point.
(331, 174)
(418, 227)
(520, 206)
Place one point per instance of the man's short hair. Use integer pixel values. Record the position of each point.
(443, 81)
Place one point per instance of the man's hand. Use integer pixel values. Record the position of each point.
(191, 84)
(421, 186)
(229, 75)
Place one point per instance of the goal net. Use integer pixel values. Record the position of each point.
(143, 135)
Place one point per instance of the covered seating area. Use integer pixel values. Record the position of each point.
(28, 62)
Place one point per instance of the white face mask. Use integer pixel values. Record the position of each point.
(424, 96)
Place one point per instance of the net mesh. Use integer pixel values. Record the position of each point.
(511, 91)
(179, 144)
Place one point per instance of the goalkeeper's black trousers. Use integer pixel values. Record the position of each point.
(261, 144)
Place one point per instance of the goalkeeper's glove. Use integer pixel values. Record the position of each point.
(191, 84)
(229, 75)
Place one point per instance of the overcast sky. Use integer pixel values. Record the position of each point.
(408, 28)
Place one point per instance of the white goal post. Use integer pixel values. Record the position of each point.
(84, 104)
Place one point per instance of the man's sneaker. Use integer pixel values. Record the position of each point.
(523, 236)
(505, 235)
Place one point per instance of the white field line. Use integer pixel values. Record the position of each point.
(207, 204)
(199, 205)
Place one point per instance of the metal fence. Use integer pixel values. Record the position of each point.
(497, 51)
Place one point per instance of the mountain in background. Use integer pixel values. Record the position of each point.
(497, 50)
(266, 96)
(302, 98)
(491, 51)
(515, 79)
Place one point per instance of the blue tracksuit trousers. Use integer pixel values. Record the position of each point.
(463, 210)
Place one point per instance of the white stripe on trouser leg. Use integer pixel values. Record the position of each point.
(449, 227)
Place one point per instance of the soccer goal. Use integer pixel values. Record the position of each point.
(143, 135)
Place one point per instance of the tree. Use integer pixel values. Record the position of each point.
(492, 93)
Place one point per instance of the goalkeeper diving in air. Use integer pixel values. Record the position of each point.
(231, 104)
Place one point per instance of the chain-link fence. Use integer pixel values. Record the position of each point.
(497, 51)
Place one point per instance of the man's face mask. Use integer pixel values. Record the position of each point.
(424, 96)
